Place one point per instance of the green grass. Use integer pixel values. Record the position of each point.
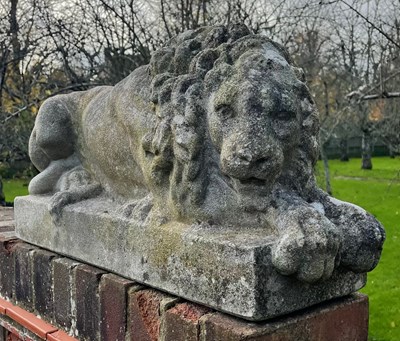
(14, 188)
(378, 191)
(383, 169)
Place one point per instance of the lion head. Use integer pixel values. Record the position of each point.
(235, 121)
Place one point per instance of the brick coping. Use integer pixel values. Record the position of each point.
(33, 323)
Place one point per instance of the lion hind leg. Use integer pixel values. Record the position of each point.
(52, 144)
(73, 186)
(46, 181)
(53, 134)
(37, 155)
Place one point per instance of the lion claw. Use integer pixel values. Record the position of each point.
(309, 251)
(363, 245)
(58, 201)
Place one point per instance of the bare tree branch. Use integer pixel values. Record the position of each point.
(381, 95)
(371, 23)
(38, 100)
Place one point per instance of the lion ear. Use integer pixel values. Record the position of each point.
(162, 60)
(299, 72)
(216, 36)
(237, 31)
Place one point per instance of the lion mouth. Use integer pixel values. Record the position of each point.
(248, 186)
(251, 185)
(252, 181)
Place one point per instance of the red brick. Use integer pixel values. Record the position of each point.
(6, 219)
(17, 331)
(12, 337)
(7, 246)
(113, 303)
(60, 336)
(348, 321)
(6, 226)
(23, 274)
(6, 213)
(63, 293)
(182, 322)
(88, 319)
(30, 321)
(4, 305)
(343, 319)
(145, 310)
(2, 333)
(43, 282)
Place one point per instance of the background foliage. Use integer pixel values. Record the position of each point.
(348, 49)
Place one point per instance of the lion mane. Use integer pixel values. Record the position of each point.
(183, 74)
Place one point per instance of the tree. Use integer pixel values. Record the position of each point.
(2, 197)
(16, 54)
(379, 65)
(48, 47)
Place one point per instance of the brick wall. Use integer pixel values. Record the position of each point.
(6, 220)
(91, 304)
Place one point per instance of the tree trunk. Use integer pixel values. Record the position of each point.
(392, 153)
(324, 158)
(14, 30)
(344, 156)
(366, 162)
(2, 197)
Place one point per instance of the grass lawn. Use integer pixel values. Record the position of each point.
(14, 188)
(378, 191)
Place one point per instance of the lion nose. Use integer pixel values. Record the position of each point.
(257, 162)
(244, 155)
(246, 163)
(252, 158)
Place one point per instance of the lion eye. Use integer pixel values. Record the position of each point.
(224, 111)
(284, 115)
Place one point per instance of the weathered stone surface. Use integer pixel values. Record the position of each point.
(212, 147)
(226, 268)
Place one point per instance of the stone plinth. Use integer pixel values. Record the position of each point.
(228, 269)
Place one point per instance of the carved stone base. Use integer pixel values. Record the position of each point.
(225, 268)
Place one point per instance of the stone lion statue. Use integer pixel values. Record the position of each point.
(219, 128)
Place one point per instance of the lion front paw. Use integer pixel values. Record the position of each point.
(309, 249)
(362, 244)
(363, 235)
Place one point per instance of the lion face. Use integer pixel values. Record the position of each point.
(229, 132)
(254, 119)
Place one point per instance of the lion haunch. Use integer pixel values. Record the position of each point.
(219, 128)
